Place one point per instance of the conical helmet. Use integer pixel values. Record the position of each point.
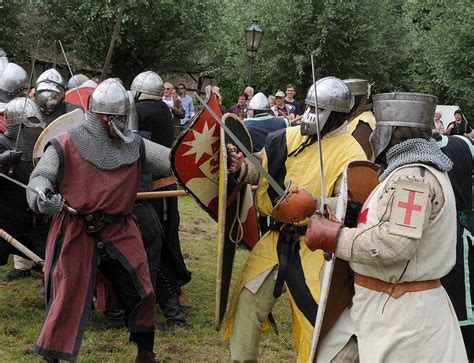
(23, 110)
(148, 82)
(110, 98)
(14, 79)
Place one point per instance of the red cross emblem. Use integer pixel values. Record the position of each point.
(362, 217)
(409, 206)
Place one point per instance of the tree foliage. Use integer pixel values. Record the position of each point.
(402, 45)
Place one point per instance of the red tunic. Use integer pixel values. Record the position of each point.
(71, 254)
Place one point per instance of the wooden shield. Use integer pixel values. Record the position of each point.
(360, 177)
(199, 162)
(237, 221)
(61, 124)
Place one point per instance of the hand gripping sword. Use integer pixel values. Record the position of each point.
(40, 193)
(252, 159)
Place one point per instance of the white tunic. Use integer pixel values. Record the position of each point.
(418, 326)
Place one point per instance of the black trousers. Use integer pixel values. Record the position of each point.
(129, 298)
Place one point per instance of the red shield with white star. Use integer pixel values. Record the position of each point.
(195, 158)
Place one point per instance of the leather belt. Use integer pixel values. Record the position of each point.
(395, 290)
(163, 182)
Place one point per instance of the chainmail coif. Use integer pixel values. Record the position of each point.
(416, 151)
(95, 145)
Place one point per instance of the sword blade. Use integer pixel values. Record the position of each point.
(14, 181)
(40, 194)
(252, 159)
(318, 132)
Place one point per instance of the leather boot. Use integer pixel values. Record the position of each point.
(173, 313)
(145, 356)
(168, 300)
(113, 319)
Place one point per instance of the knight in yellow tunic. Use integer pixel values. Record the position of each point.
(361, 121)
(281, 259)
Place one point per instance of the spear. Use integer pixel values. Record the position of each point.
(20, 247)
(114, 38)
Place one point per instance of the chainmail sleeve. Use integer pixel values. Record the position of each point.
(43, 176)
(157, 161)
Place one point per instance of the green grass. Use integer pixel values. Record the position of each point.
(22, 309)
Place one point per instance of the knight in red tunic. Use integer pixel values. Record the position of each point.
(95, 169)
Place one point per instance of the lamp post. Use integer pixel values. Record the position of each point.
(253, 38)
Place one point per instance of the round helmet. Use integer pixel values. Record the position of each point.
(405, 109)
(148, 82)
(76, 80)
(332, 95)
(48, 100)
(14, 80)
(23, 110)
(110, 98)
(51, 80)
(259, 102)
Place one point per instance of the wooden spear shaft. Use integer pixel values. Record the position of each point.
(20, 247)
(161, 194)
(167, 194)
(113, 39)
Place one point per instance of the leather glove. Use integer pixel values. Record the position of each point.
(51, 204)
(296, 206)
(10, 157)
(322, 234)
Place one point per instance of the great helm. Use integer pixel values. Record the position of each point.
(148, 82)
(23, 110)
(110, 98)
(404, 109)
(76, 80)
(332, 94)
(14, 79)
(259, 102)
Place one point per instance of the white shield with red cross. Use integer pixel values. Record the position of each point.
(409, 209)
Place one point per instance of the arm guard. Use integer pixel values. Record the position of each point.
(157, 159)
(377, 245)
(43, 178)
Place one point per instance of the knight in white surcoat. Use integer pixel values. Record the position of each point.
(404, 242)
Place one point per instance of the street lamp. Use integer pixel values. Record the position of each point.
(253, 38)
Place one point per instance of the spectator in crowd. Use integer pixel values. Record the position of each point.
(187, 102)
(438, 126)
(281, 109)
(290, 99)
(271, 101)
(240, 109)
(459, 126)
(216, 91)
(250, 92)
(175, 105)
